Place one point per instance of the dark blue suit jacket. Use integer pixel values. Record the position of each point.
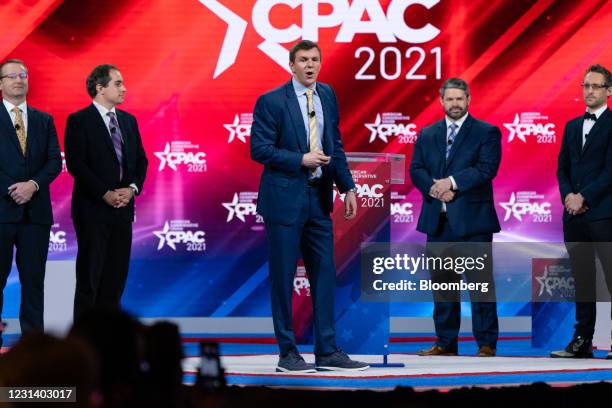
(42, 163)
(587, 170)
(279, 140)
(473, 162)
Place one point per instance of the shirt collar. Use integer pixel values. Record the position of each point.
(599, 111)
(9, 106)
(301, 89)
(458, 122)
(103, 111)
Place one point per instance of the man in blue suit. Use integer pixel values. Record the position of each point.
(584, 173)
(295, 135)
(29, 161)
(453, 165)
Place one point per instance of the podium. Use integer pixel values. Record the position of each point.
(361, 327)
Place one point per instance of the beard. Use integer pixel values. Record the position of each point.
(456, 114)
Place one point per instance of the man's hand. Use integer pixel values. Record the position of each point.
(316, 159)
(112, 198)
(350, 205)
(447, 196)
(125, 196)
(440, 187)
(574, 203)
(22, 192)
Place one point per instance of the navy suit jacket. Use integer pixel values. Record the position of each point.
(42, 163)
(279, 140)
(473, 162)
(587, 170)
(92, 161)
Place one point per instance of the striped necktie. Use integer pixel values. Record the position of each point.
(314, 141)
(451, 138)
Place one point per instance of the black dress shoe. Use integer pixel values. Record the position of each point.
(579, 347)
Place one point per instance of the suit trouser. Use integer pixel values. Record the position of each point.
(447, 312)
(103, 260)
(312, 234)
(31, 242)
(584, 240)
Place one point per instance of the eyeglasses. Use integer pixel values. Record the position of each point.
(595, 87)
(14, 75)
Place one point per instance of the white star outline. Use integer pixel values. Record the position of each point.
(509, 210)
(163, 158)
(373, 127)
(231, 127)
(162, 237)
(231, 208)
(513, 132)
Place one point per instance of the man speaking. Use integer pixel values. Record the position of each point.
(295, 135)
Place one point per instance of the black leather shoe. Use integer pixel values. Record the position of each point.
(579, 347)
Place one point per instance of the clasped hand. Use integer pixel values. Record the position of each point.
(575, 204)
(119, 198)
(442, 190)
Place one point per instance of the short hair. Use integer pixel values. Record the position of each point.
(302, 45)
(99, 76)
(600, 69)
(12, 61)
(455, 83)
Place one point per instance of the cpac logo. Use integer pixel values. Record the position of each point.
(242, 204)
(363, 190)
(555, 284)
(175, 154)
(401, 209)
(388, 28)
(57, 237)
(301, 282)
(525, 125)
(385, 125)
(241, 127)
(174, 233)
(520, 204)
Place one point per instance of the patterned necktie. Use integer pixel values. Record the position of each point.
(451, 138)
(313, 131)
(115, 132)
(20, 129)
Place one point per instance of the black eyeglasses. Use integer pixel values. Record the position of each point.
(595, 87)
(14, 75)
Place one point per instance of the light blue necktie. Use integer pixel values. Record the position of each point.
(451, 138)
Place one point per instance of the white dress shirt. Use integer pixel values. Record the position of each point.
(104, 113)
(589, 123)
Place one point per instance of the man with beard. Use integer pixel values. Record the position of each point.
(453, 165)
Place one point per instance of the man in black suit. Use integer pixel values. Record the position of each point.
(585, 181)
(104, 154)
(29, 161)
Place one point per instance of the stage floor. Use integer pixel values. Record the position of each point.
(419, 372)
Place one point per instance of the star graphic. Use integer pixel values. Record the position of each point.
(509, 207)
(542, 281)
(163, 158)
(513, 132)
(373, 127)
(162, 237)
(231, 208)
(231, 127)
(347, 335)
